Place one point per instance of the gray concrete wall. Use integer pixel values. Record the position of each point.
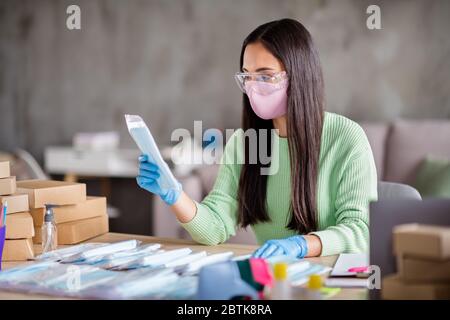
(172, 61)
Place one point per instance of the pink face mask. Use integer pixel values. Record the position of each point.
(268, 100)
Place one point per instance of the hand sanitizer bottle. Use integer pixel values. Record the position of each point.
(312, 291)
(282, 288)
(48, 230)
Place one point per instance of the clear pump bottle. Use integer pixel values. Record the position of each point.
(48, 230)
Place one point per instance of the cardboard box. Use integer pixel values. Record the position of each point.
(415, 240)
(7, 186)
(422, 270)
(77, 231)
(4, 169)
(92, 207)
(16, 203)
(18, 250)
(19, 226)
(393, 288)
(42, 192)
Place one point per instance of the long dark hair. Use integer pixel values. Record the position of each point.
(290, 42)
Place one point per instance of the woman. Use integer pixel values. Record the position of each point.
(316, 203)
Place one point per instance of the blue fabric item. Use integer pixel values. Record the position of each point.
(295, 246)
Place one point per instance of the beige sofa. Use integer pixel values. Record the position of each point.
(398, 148)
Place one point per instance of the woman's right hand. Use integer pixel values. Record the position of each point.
(149, 173)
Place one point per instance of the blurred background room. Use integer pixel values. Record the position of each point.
(64, 93)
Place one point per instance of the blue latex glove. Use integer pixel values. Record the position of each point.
(295, 246)
(147, 179)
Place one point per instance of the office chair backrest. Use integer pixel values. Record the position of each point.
(26, 167)
(396, 191)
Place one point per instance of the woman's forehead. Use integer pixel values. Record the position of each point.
(258, 58)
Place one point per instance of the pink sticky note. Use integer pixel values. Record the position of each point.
(358, 269)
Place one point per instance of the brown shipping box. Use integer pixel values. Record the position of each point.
(4, 169)
(423, 270)
(7, 186)
(92, 207)
(425, 241)
(77, 231)
(18, 250)
(16, 203)
(392, 288)
(19, 226)
(42, 192)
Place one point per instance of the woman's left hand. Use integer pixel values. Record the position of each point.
(295, 246)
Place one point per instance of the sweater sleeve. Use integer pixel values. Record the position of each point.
(216, 217)
(356, 187)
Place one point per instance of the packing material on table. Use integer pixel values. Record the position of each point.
(126, 270)
(423, 263)
(91, 208)
(7, 185)
(16, 203)
(74, 232)
(5, 171)
(42, 192)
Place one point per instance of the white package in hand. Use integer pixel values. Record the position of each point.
(144, 140)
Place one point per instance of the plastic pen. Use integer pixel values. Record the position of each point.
(1, 216)
(5, 208)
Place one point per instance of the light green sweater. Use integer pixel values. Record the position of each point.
(347, 182)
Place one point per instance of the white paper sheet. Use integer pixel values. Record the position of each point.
(346, 261)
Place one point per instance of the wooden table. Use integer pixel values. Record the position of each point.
(168, 243)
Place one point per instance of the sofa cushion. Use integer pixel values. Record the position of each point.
(433, 178)
(377, 134)
(409, 142)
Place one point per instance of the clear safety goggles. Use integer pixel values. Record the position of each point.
(261, 82)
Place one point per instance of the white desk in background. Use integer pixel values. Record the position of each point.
(69, 161)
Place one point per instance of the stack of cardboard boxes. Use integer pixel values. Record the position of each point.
(77, 217)
(19, 224)
(423, 263)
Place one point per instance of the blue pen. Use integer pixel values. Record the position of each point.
(5, 207)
